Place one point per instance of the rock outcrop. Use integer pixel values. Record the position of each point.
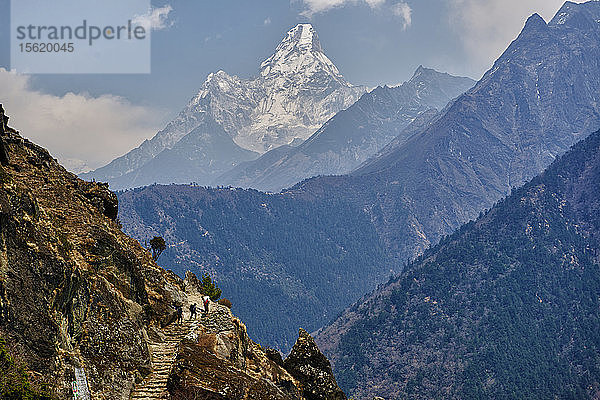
(4, 160)
(82, 304)
(312, 369)
(221, 361)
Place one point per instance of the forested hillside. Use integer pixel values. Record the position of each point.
(506, 308)
(298, 260)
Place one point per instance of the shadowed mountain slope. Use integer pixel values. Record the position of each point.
(353, 135)
(506, 308)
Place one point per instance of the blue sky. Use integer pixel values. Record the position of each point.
(372, 42)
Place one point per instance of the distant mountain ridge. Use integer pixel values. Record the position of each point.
(540, 97)
(507, 307)
(297, 90)
(353, 135)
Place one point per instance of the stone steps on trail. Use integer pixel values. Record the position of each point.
(154, 386)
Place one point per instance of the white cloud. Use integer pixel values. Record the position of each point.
(401, 9)
(375, 3)
(404, 12)
(80, 130)
(155, 19)
(319, 6)
(487, 27)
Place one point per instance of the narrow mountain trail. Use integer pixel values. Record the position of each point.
(163, 351)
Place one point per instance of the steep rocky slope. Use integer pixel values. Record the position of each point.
(353, 135)
(297, 90)
(74, 291)
(81, 301)
(506, 308)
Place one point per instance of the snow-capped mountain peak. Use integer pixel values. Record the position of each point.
(219, 81)
(300, 52)
(297, 90)
(302, 36)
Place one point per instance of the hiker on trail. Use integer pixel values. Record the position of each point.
(193, 311)
(206, 301)
(179, 314)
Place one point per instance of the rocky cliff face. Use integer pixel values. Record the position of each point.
(220, 360)
(74, 291)
(297, 90)
(80, 298)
